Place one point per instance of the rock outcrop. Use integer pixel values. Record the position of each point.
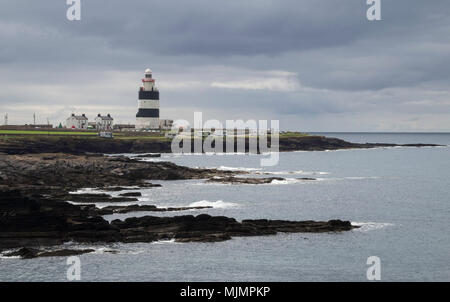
(78, 171)
(33, 220)
(34, 189)
(81, 145)
(29, 253)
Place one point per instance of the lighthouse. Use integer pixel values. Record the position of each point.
(147, 116)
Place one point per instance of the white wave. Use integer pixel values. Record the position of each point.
(4, 253)
(225, 168)
(107, 250)
(371, 226)
(164, 241)
(105, 191)
(10, 257)
(87, 191)
(287, 181)
(114, 248)
(220, 204)
(150, 159)
(102, 205)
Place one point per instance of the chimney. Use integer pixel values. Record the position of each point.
(98, 115)
(83, 115)
(109, 115)
(73, 114)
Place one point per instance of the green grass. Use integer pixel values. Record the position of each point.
(293, 134)
(126, 137)
(40, 132)
(5, 134)
(35, 134)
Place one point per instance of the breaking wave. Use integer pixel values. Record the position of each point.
(371, 226)
(286, 181)
(220, 204)
(225, 168)
(164, 241)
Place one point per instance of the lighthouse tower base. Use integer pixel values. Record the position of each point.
(143, 123)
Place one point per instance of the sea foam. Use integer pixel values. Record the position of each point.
(219, 204)
(371, 226)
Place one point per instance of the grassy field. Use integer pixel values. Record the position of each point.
(5, 134)
(293, 134)
(43, 132)
(36, 134)
(127, 137)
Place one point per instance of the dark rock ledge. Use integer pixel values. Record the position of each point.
(33, 220)
(71, 172)
(83, 145)
(29, 253)
(33, 211)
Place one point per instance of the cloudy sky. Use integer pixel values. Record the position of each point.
(315, 65)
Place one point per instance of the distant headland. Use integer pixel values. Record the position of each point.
(29, 142)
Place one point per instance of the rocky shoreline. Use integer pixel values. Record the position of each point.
(81, 145)
(32, 220)
(34, 213)
(38, 176)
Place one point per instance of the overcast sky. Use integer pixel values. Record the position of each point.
(315, 65)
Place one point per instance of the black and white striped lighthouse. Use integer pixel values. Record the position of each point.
(148, 104)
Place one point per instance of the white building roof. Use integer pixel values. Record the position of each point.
(78, 117)
(105, 117)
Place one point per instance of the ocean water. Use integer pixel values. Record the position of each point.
(399, 196)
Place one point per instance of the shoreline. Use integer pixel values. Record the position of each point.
(86, 145)
(34, 212)
(36, 184)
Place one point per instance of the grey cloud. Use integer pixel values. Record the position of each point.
(346, 66)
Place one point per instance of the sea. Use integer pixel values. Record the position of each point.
(400, 198)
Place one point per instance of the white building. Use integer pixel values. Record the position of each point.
(104, 122)
(77, 121)
(165, 124)
(147, 116)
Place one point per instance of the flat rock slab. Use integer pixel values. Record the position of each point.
(143, 208)
(97, 198)
(206, 228)
(148, 155)
(133, 194)
(27, 220)
(30, 253)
